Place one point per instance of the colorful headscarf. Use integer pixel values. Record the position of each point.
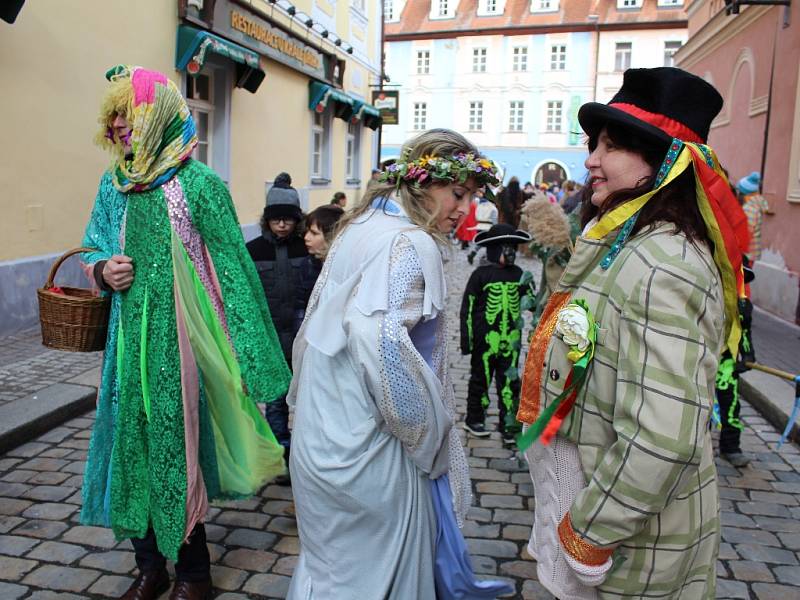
(163, 131)
(724, 219)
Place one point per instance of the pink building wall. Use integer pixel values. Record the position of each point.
(739, 67)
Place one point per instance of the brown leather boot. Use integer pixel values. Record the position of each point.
(191, 590)
(149, 585)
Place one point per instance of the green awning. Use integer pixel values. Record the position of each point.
(321, 94)
(193, 45)
(368, 114)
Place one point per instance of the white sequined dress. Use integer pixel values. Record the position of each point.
(373, 416)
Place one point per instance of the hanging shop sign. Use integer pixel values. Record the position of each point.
(256, 33)
(388, 103)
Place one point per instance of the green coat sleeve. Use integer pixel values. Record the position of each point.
(264, 368)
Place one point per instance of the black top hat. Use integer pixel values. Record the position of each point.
(663, 103)
(502, 234)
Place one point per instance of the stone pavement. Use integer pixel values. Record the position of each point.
(40, 388)
(777, 345)
(46, 554)
(27, 367)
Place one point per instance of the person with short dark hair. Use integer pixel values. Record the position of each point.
(320, 227)
(339, 199)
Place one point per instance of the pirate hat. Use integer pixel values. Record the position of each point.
(662, 103)
(502, 234)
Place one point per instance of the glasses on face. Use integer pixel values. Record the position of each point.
(284, 220)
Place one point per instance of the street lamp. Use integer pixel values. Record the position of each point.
(732, 6)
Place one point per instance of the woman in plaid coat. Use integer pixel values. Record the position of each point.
(619, 380)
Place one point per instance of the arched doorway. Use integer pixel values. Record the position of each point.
(550, 172)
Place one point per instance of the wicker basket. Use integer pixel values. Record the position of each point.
(76, 320)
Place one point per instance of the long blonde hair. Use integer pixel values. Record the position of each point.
(415, 198)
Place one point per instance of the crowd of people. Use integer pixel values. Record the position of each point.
(339, 316)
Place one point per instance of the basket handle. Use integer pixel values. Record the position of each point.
(52, 274)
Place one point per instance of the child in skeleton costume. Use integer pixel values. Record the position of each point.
(727, 390)
(490, 310)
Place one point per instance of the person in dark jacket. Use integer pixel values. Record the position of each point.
(490, 331)
(287, 275)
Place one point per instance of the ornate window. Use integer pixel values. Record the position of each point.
(423, 62)
(519, 59)
(476, 116)
(554, 116)
(622, 56)
(558, 57)
(516, 115)
(479, 60)
(544, 6)
(420, 116)
(670, 48)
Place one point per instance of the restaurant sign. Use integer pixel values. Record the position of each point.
(251, 31)
(388, 103)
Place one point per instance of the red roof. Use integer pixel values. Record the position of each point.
(415, 19)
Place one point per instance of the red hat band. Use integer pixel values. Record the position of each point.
(669, 126)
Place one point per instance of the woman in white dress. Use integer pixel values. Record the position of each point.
(379, 474)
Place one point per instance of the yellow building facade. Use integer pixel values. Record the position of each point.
(273, 86)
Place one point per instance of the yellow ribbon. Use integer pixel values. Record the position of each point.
(617, 216)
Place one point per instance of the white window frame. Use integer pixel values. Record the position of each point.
(420, 116)
(205, 106)
(519, 59)
(443, 9)
(359, 5)
(475, 115)
(555, 116)
(669, 57)
(352, 153)
(423, 62)
(669, 3)
(544, 6)
(479, 58)
(618, 52)
(391, 11)
(558, 57)
(489, 8)
(629, 4)
(516, 116)
(320, 130)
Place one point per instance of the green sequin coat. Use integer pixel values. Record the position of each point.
(136, 474)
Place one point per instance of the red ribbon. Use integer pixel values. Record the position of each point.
(561, 413)
(671, 127)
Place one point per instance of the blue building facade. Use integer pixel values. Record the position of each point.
(546, 77)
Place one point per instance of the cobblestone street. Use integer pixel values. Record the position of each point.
(46, 554)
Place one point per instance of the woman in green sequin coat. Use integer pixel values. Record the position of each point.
(191, 347)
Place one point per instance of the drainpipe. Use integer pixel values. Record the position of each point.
(769, 111)
(594, 17)
(380, 82)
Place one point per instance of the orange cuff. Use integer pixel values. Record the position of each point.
(578, 548)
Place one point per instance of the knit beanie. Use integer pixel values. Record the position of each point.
(749, 184)
(283, 200)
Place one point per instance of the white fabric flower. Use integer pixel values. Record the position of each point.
(573, 326)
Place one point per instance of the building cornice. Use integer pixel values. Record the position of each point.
(535, 29)
(718, 31)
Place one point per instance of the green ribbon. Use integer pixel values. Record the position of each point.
(577, 377)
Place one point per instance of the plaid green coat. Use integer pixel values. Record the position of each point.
(641, 420)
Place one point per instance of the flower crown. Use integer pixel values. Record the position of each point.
(456, 169)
